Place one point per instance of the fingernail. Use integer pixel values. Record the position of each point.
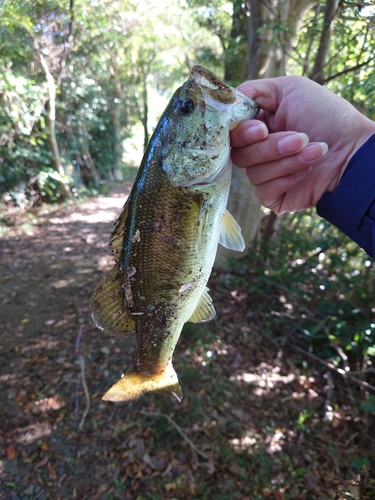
(293, 143)
(313, 151)
(256, 132)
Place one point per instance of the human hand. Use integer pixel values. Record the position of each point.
(289, 172)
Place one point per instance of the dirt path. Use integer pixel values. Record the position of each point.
(255, 416)
(46, 266)
(48, 274)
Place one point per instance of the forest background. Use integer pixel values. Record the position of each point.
(82, 86)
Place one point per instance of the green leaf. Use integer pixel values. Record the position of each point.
(360, 463)
(369, 405)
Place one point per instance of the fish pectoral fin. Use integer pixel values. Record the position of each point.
(107, 305)
(117, 235)
(205, 310)
(133, 384)
(230, 233)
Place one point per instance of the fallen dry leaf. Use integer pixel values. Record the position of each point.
(52, 472)
(11, 452)
(211, 466)
(277, 495)
(41, 463)
(154, 462)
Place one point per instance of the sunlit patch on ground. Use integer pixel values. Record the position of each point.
(46, 404)
(33, 432)
(265, 376)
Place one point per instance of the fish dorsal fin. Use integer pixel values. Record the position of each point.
(230, 233)
(117, 235)
(107, 305)
(205, 309)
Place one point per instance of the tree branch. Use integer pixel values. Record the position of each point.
(331, 11)
(348, 70)
(335, 369)
(178, 428)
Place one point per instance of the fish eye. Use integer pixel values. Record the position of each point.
(186, 106)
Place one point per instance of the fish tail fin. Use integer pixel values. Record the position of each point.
(133, 384)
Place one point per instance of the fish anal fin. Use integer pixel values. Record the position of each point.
(108, 309)
(230, 233)
(205, 310)
(134, 384)
(117, 235)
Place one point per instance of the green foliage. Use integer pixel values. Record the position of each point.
(361, 463)
(350, 66)
(118, 57)
(369, 405)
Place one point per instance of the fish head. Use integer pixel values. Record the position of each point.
(198, 120)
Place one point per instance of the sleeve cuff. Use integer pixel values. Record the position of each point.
(351, 206)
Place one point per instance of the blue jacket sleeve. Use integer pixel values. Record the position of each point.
(351, 206)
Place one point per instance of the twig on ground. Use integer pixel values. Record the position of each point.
(178, 428)
(335, 369)
(78, 339)
(345, 361)
(360, 372)
(81, 362)
(328, 413)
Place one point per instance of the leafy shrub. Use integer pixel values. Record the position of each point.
(322, 288)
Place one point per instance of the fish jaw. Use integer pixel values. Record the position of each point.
(134, 384)
(243, 109)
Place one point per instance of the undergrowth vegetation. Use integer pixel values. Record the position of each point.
(318, 289)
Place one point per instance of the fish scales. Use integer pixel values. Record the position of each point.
(166, 239)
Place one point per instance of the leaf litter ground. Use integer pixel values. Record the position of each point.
(256, 422)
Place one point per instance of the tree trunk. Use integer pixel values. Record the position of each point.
(269, 52)
(141, 104)
(236, 52)
(51, 125)
(116, 119)
(145, 116)
(267, 58)
(86, 156)
(325, 37)
(51, 101)
(241, 203)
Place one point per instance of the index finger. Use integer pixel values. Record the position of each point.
(267, 93)
(248, 132)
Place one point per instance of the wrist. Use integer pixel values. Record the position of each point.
(367, 130)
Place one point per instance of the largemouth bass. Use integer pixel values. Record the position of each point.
(166, 238)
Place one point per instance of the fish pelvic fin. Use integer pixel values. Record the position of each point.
(205, 310)
(230, 233)
(107, 305)
(134, 384)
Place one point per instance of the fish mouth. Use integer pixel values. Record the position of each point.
(219, 96)
(213, 86)
(220, 92)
